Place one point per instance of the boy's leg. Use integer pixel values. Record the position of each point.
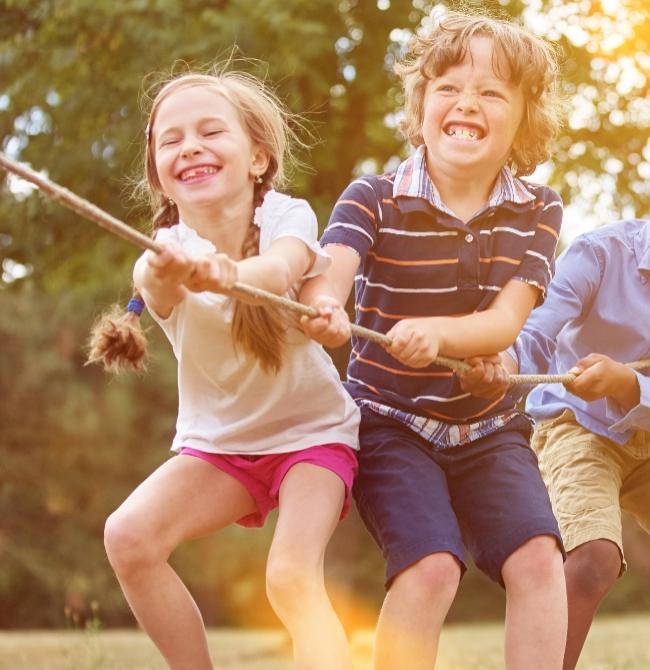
(403, 499)
(185, 498)
(591, 571)
(311, 498)
(584, 474)
(509, 528)
(414, 611)
(536, 605)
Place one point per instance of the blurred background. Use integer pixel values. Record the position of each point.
(74, 442)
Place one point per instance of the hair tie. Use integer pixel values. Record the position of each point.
(135, 305)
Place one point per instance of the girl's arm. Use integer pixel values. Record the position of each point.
(416, 342)
(286, 261)
(159, 278)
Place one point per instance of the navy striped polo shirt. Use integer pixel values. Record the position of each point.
(419, 260)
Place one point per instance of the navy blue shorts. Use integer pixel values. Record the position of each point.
(487, 496)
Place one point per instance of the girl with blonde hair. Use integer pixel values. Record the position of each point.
(263, 420)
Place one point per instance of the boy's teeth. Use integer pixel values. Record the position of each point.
(462, 133)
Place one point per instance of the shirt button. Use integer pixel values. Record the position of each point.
(469, 237)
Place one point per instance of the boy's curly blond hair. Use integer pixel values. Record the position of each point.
(523, 58)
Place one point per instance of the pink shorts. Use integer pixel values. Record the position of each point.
(263, 475)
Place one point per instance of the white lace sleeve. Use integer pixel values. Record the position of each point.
(283, 216)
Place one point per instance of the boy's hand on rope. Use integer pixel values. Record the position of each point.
(487, 378)
(414, 342)
(332, 325)
(213, 272)
(601, 377)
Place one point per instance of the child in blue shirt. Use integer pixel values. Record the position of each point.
(449, 255)
(593, 436)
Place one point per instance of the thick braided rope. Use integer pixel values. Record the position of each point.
(93, 213)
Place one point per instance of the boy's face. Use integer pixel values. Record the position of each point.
(471, 116)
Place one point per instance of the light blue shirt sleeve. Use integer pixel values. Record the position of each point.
(570, 294)
(638, 418)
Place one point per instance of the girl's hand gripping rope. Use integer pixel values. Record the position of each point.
(214, 272)
(332, 325)
(165, 272)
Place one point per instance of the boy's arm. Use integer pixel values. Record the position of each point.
(570, 294)
(329, 292)
(416, 342)
(626, 391)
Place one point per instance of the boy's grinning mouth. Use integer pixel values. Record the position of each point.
(463, 132)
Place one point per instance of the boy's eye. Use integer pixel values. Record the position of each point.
(492, 94)
(446, 88)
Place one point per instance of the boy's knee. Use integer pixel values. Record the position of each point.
(593, 568)
(537, 562)
(433, 577)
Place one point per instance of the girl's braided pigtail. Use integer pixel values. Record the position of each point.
(259, 329)
(117, 339)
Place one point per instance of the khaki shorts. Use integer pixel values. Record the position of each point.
(590, 479)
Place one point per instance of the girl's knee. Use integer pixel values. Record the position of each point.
(127, 544)
(536, 562)
(290, 580)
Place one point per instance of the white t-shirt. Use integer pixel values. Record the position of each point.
(227, 403)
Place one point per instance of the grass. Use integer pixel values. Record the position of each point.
(615, 643)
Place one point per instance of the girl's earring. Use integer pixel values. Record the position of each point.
(170, 202)
(259, 179)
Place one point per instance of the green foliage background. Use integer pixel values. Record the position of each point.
(73, 442)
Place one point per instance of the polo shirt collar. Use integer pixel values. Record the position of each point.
(412, 181)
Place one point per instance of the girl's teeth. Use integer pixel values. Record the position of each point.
(188, 174)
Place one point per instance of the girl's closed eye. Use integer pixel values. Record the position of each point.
(169, 141)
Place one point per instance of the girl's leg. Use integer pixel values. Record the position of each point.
(413, 612)
(311, 498)
(185, 498)
(536, 606)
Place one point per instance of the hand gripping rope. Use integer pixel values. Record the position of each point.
(93, 213)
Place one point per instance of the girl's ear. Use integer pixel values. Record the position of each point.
(260, 160)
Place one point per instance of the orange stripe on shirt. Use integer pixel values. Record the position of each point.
(392, 261)
(502, 259)
(548, 229)
(357, 204)
(405, 373)
(390, 201)
(386, 315)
